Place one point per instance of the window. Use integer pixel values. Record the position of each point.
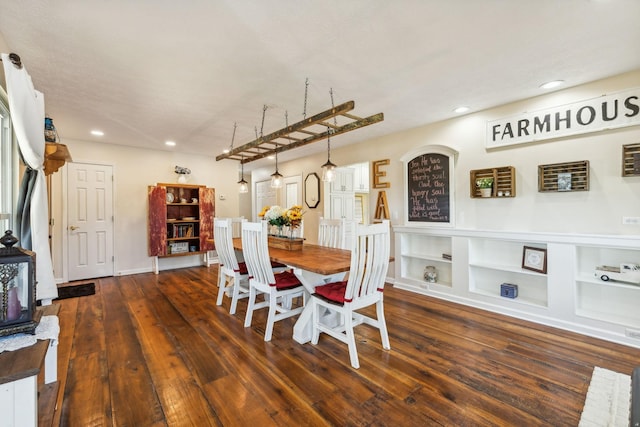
(8, 166)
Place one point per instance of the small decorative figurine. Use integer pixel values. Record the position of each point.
(430, 274)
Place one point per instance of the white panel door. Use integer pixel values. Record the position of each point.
(265, 196)
(292, 191)
(90, 220)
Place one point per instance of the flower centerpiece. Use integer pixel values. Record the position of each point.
(275, 216)
(279, 217)
(294, 215)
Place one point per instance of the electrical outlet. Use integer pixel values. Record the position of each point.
(633, 333)
(631, 220)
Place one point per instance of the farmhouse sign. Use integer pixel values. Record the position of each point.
(617, 110)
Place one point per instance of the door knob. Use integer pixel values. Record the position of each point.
(73, 227)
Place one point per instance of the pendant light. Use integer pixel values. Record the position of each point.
(243, 185)
(328, 169)
(276, 178)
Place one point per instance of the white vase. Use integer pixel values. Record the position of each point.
(485, 192)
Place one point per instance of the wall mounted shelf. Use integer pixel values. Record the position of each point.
(631, 160)
(504, 181)
(564, 177)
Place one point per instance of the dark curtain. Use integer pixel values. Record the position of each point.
(23, 220)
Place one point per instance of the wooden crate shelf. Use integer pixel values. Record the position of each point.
(631, 160)
(504, 180)
(574, 174)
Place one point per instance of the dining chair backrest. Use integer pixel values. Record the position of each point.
(222, 235)
(369, 261)
(255, 249)
(331, 233)
(236, 224)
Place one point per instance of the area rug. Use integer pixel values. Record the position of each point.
(73, 291)
(608, 400)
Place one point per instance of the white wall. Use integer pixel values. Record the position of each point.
(134, 170)
(597, 211)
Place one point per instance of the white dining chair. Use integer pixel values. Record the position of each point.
(364, 287)
(331, 233)
(233, 277)
(278, 288)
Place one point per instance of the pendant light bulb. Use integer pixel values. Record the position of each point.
(276, 177)
(328, 169)
(243, 185)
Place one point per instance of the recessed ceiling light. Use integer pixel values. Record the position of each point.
(462, 109)
(225, 151)
(271, 157)
(170, 143)
(552, 84)
(97, 132)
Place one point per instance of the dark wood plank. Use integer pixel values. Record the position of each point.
(47, 396)
(448, 364)
(133, 397)
(67, 319)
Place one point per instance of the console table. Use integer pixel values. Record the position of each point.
(19, 372)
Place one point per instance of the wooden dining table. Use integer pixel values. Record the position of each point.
(313, 265)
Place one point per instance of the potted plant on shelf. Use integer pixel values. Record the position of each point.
(485, 185)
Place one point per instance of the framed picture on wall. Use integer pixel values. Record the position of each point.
(534, 259)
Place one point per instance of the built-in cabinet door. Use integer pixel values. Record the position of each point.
(343, 181)
(342, 206)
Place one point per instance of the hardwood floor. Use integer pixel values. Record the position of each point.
(153, 350)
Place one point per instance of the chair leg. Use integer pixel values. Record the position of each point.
(351, 340)
(222, 281)
(250, 306)
(234, 298)
(273, 301)
(382, 325)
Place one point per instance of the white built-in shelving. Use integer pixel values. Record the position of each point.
(567, 295)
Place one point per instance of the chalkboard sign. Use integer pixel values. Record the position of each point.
(428, 188)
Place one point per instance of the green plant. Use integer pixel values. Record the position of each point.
(484, 182)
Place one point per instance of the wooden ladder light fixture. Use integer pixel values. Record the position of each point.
(300, 133)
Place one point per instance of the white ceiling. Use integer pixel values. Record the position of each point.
(147, 71)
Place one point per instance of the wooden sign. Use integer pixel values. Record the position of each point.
(382, 208)
(377, 173)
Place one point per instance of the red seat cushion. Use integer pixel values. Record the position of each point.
(333, 291)
(286, 280)
(242, 268)
(277, 265)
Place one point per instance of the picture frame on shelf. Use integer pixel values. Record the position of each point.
(534, 259)
(564, 181)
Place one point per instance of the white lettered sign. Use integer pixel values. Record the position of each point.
(617, 110)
